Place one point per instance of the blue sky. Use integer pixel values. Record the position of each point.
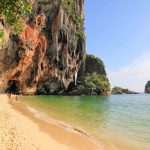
(118, 31)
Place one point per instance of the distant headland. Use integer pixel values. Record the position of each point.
(120, 90)
(147, 87)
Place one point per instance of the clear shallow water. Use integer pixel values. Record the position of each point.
(120, 121)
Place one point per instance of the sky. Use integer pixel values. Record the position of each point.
(118, 32)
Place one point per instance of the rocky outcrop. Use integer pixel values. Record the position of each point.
(147, 87)
(94, 64)
(120, 90)
(47, 56)
(94, 81)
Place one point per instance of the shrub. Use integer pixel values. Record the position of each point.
(97, 83)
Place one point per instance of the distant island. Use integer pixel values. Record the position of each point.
(120, 90)
(147, 87)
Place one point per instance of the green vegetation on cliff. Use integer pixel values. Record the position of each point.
(99, 84)
(117, 90)
(94, 64)
(95, 76)
(70, 7)
(94, 81)
(11, 12)
(1, 34)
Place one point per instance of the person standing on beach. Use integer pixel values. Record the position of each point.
(9, 92)
(9, 95)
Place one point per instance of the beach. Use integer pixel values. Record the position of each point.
(21, 130)
(75, 123)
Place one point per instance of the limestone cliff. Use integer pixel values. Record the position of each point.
(147, 87)
(94, 81)
(46, 57)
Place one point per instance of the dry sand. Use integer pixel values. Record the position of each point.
(20, 130)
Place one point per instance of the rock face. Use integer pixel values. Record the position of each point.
(147, 87)
(94, 64)
(120, 90)
(94, 81)
(47, 56)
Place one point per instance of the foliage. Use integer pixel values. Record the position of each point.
(70, 7)
(120, 90)
(94, 64)
(11, 12)
(96, 59)
(1, 38)
(117, 89)
(98, 83)
(81, 34)
(1, 34)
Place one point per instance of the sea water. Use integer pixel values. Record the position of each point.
(119, 122)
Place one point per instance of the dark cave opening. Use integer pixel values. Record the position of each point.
(13, 87)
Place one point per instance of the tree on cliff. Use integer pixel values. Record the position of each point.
(11, 12)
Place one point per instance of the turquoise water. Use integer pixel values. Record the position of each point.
(118, 122)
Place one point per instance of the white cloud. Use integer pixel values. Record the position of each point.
(134, 76)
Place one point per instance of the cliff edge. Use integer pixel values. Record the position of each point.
(147, 87)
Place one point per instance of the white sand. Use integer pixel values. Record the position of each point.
(18, 132)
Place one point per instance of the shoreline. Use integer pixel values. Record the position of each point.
(49, 120)
(51, 135)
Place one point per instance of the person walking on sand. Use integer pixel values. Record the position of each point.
(9, 92)
(16, 98)
(9, 95)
